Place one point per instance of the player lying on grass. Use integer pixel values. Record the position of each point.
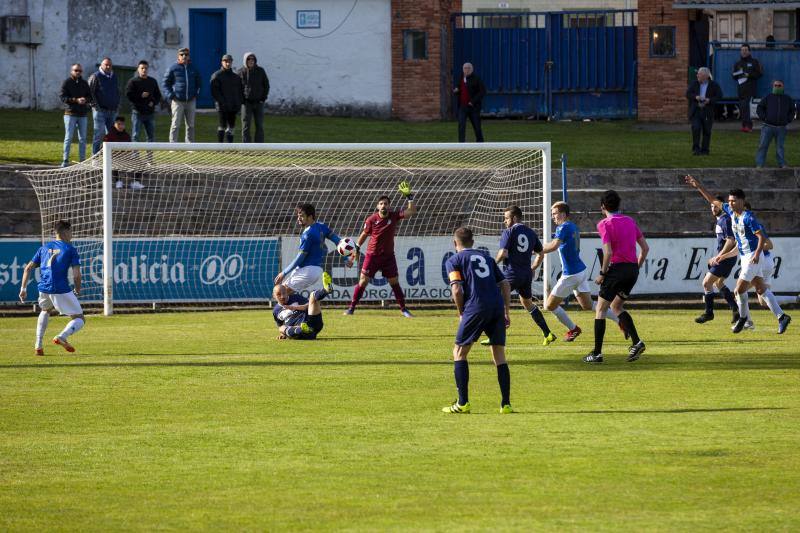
(574, 274)
(298, 317)
(757, 264)
(619, 235)
(54, 259)
(482, 296)
(380, 228)
(306, 268)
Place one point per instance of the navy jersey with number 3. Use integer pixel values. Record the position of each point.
(521, 243)
(479, 275)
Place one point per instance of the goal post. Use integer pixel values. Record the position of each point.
(208, 222)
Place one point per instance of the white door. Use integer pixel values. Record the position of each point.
(731, 25)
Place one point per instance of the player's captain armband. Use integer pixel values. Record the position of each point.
(455, 276)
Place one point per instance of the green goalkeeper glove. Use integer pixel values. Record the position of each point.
(405, 190)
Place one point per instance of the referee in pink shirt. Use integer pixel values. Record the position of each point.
(618, 274)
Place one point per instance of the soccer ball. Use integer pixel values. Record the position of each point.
(346, 247)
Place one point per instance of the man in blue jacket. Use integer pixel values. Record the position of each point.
(104, 101)
(181, 87)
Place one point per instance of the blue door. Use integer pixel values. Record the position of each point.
(566, 64)
(207, 44)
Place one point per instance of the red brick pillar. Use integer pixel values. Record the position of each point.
(662, 82)
(419, 85)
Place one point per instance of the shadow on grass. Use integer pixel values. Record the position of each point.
(666, 411)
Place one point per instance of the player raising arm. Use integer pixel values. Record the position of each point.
(482, 297)
(306, 268)
(55, 259)
(574, 274)
(380, 228)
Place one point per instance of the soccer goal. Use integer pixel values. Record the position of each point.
(170, 223)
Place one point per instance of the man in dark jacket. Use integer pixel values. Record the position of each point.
(226, 89)
(469, 93)
(181, 87)
(144, 95)
(76, 97)
(256, 90)
(702, 95)
(746, 72)
(776, 110)
(105, 101)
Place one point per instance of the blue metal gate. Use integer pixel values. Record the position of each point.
(567, 64)
(779, 60)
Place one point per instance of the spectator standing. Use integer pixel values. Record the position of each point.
(76, 96)
(227, 91)
(470, 92)
(181, 87)
(143, 93)
(105, 101)
(256, 90)
(776, 110)
(746, 72)
(702, 95)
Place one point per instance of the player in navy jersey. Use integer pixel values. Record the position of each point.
(518, 243)
(298, 317)
(54, 260)
(716, 275)
(757, 265)
(482, 297)
(306, 268)
(574, 274)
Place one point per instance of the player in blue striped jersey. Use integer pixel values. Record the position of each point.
(757, 266)
(306, 268)
(482, 296)
(54, 260)
(574, 274)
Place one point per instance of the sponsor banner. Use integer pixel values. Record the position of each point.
(673, 266)
(160, 270)
(166, 270)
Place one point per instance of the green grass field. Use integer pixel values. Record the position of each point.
(205, 421)
(36, 137)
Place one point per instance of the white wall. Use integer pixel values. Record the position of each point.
(318, 71)
(344, 70)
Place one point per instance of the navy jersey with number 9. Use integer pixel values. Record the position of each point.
(479, 275)
(521, 242)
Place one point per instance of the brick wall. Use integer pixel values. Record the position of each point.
(418, 85)
(662, 81)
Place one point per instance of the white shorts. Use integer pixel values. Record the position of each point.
(576, 283)
(302, 278)
(66, 304)
(763, 269)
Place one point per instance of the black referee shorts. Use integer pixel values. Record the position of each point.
(619, 281)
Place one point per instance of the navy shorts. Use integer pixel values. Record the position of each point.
(315, 323)
(520, 283)
(474, 324)
(724, 269)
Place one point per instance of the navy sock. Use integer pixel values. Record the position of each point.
(462, 381)
(320, 294)
(504, 379)
(538, 317)
(599, 333)
(627, 321)
(708, 298)
(729, 298)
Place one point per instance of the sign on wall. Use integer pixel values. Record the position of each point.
(309, 19)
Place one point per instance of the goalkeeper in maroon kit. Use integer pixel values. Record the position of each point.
(381, 227)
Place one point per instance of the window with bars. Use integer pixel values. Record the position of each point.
(784, 25)
(266, 9)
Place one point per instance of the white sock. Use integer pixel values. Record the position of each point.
(41, 327)
(743, 301)
(772, 303)
(611, 315)
(74, 326)
(562, 317)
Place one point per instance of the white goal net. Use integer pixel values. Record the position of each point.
(216, 223)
